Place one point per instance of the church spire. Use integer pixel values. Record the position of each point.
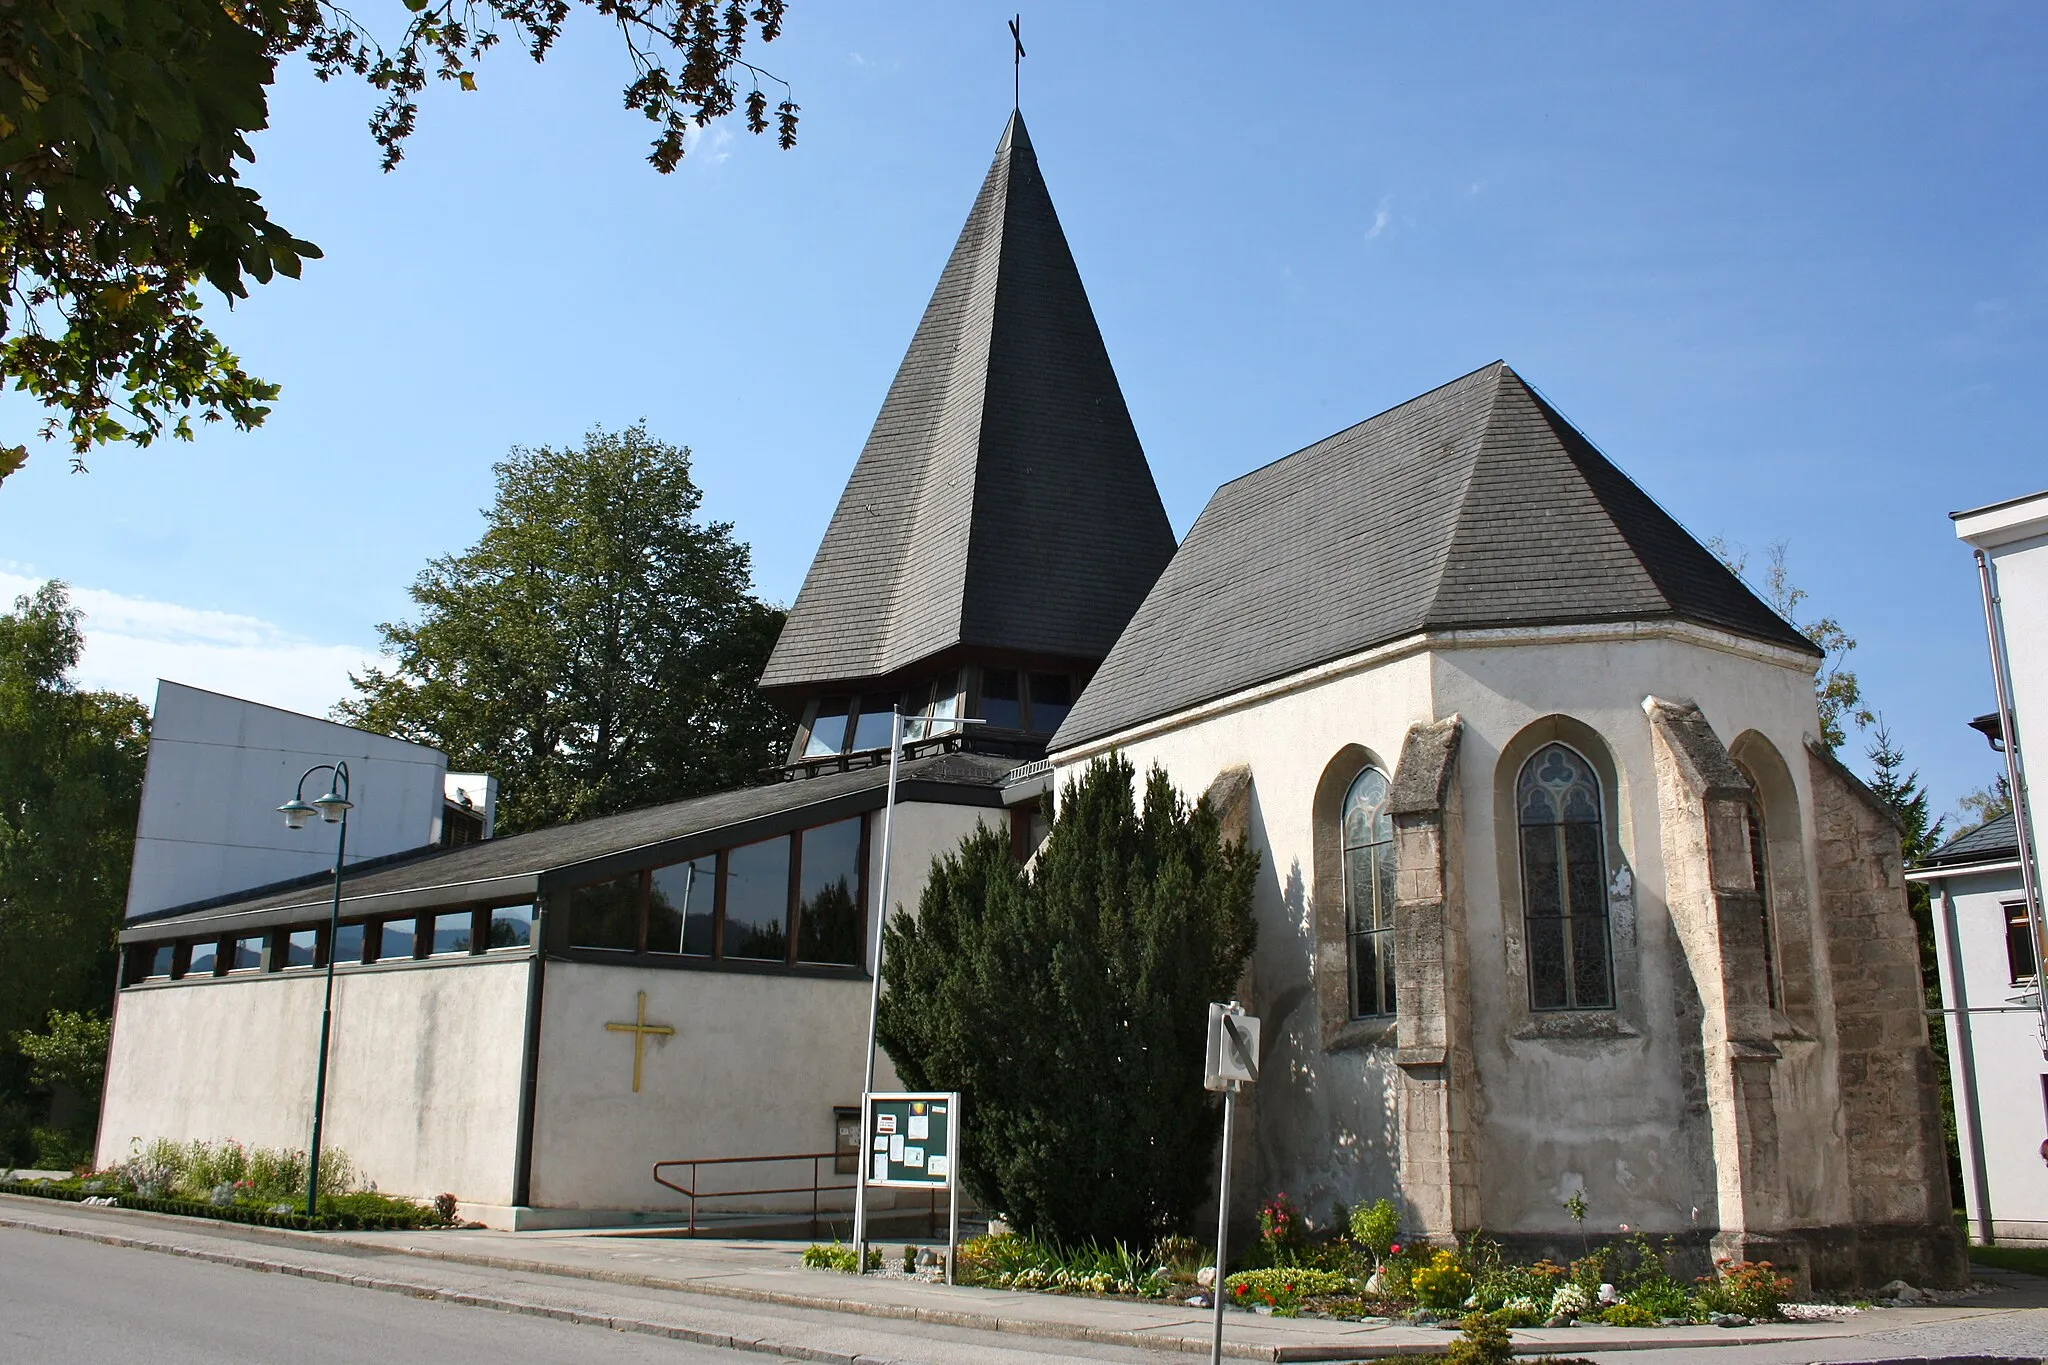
(1002, 504)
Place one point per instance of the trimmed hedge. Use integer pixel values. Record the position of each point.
(229, 1213)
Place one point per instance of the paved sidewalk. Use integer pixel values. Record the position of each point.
(540, 1271)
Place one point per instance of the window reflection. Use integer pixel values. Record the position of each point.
(348, 943)
(395, 939)
(300, 946)
(248, 954)
(680, 905)
(1000, 708)
(204, 956)
(757, 901)
(828, 910)
(511, 927)
(828, 731)
(453, 932)
(160, 959)
(877, 721)
(1052, 696)
(606, 915)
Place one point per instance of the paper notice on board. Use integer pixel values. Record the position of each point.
(881, 1167)
(936, 1167)
(913, 1157)
(881, 1143)
(896, 1149)
(920, 1127)
(885, 1123)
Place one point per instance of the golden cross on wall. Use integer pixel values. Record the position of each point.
(640, 1028)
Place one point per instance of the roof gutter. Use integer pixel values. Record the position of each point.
(1942, 874)
(2015, 769)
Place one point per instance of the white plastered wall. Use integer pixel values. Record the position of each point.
(1553, 1114)
(756, 1066)
(423, 1072)
(2005, 1048)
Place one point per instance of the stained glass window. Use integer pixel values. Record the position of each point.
(1564, 881)
(1369, 894)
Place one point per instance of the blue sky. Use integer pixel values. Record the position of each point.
(1786, 265)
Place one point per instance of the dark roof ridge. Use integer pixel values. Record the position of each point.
(1342, 432)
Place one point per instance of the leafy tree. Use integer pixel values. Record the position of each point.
(1835, 686)
(1919, 835)
(72, 1053)
(124, 131)
(597, 649)
(1988, 802)
(70, 785)
(1068, 1004)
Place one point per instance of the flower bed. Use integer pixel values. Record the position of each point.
(331, 1219)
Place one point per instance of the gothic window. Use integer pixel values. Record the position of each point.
(1564, 881)
(1759, 867)
(1369, 894)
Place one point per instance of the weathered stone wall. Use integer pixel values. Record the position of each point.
(1898, 1175)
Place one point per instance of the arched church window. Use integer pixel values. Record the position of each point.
(1759, 867)
(1369, 894)
(1564, 881)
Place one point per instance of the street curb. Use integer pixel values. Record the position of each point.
(332, 1242)
(469, 1299)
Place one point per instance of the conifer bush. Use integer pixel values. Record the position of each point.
(1069, 1004)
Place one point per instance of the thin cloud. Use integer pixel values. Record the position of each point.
(130, 642)
(1382, 218)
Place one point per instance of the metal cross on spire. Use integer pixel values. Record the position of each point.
(1017, 62)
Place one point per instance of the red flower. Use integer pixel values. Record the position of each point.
(1241, 1288)
(1394, 1249)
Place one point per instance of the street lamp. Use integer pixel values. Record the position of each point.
(332, 807)
(860, 1198)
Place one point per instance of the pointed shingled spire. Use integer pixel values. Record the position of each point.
(1474, 505)
(1002, 501)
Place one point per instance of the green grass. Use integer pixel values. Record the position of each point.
(2029, 1260)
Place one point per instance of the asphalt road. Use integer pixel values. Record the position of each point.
(66, 1301)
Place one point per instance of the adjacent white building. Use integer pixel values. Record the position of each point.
(1987, 901)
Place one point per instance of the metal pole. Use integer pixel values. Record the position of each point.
(2016, 779)
(867, 1085)
(1971, 1129)
(1223, 1218)
(953, 1147)
(326, 1028)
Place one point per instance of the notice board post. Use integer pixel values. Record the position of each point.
(912, 1142)
(1232, 1061)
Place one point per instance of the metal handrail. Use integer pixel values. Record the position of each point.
(691, 1193)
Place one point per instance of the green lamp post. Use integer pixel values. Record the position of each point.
(332, 808)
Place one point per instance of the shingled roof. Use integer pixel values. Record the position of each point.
(1474, 505)
(1002, 499)
(1993, 841)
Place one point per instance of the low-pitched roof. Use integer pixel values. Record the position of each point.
(521, 865)
(1991, 842)
(1002, 500)
(1474, 505)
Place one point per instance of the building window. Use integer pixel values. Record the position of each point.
(1760, 873)
(828, 728)
(1001, 707)
(876, 723)
(680, 907)
(828, 894)
(1564, 881)
(1052, 696)
(247, 954)
(396, 939)
(757, 901)
(299, 947)
(511, 927)
(204, 957)
(1369, 894)
(453, 932)
(348, 943)
(160, 958)
(2019, 943)
(606, 915)
(940, 708)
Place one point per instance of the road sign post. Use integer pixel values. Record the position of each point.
(1231, 1062)
(911, 1141)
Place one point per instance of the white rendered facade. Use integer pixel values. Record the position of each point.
(219, 767)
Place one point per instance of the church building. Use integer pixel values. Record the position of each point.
(1560, 893)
